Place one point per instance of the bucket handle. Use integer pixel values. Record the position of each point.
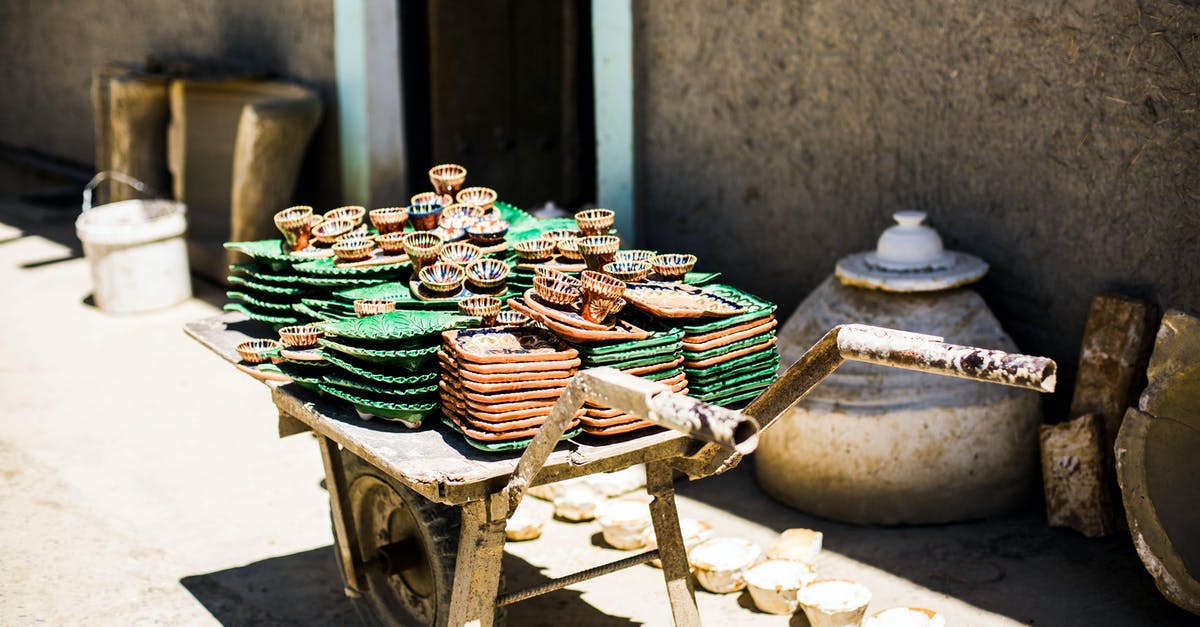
(116, 176)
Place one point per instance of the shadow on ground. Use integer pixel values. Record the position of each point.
(306, 589)
(1014, 566)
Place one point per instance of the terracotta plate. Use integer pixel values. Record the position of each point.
(506, 345)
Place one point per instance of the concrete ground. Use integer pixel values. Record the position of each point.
(143, 483)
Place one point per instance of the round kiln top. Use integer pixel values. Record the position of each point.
(909, 258)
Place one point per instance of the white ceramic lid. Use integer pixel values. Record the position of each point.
(909, 257)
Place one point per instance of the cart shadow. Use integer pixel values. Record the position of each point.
(305, 589)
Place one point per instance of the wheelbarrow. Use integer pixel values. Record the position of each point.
(419, 517)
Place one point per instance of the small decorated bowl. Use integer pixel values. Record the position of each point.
(569, 248)
(449, 235)
(774, 584)
(328, 231)
(486, 307)
(534, 249)
(673, 266)
(255, 351)
(459, 216)
(442, 278)
(511, 318)
(392, 243)
(558, 235)
(487, 232)
(300, 336)
(628, 271)
(623, 523)
(487, 274)
(389, 219)
(460, 253)
(354, 248)
(447, 178)
(721, 563)
(634, 255)
(601, 285)
(422, 247)
(557, 275)
(425, 215)
(482, 197)
(834, 602)
(296, 225)
(594, 221)
(905, 617)
(353, 213)
(373, 306)
(555, 291)
(598, 250)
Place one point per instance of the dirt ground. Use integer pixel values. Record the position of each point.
(143, 483)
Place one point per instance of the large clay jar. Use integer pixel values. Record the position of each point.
(881, 445)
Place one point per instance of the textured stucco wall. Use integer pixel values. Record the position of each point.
(1058, 141)
(49, 48)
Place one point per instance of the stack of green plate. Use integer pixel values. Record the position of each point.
(731, 360)
(325, 279)
(268, 286)
(658, 358)
(386, 365)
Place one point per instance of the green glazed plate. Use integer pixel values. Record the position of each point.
(666, 374)
(382, 374)
(260, 316)
(729, 348)
(264, 288)
(745, 361)
(732, 384)
(265, 250)
(331, 306)
(700, 278)
(408, 358)
(303, 376)
(401, 324)
(315, 314)
(501, 447)
(756, 308)
(636, 363)
(258, 303)
(734, 398)
(263, 273)
(356, 385)
(326, 267)
(672, 337)
(605, 359)
(762, 368)
(338, 283)
(411, 413)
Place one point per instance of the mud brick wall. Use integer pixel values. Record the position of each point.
(49, 48)
(1058, 141)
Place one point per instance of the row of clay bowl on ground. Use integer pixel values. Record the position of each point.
(780, 581)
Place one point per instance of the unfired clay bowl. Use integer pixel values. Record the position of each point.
(594, 221)
(905, 617)
(834, 602)
(300, 336)
(389, 219)
(254, 351)
(694, 532)
(774, 584)
(460, 253)
(576, 504)
(328, 231)
(798, 545)
(372, 306)
(442, 278)
(673, 266)
(623, 522)
(534, 249)
(527, 521)
(720, 563)
(296, 225)
(447, 178)
(353, 213)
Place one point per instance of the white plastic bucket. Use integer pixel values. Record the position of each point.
(135, 249)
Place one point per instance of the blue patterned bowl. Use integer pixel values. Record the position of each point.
(460, 253)
(442, 278)
(487, 273)
(628, 271)
(485, 232)
(672, 265)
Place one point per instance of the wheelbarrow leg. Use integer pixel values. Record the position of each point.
(347, 543)
(671, 551)
(477, 570)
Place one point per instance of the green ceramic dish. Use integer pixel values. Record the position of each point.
(731, 384)
(407, 358)
(259, 316)
(729, 348)
(401, 324)
(635, 363)
(251, 285)
(666, 374)
(756, 308)
(663, 338)
(380, 373)
(311, 313)
(607, 359)
(338, 283)
(411, 413)
(264, 274)
(734, 398)
(326, 267)
(700, 278)
(302, 376)
(266, 306)
(413, 394)
(270, 250)
(765, 368)
(502, 447)
(755, 359)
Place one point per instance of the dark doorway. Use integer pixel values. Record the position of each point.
(503, 87)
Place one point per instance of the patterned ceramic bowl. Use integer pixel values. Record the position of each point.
(511, 318)
(486, 307)
(594, 221)
(634, 255)
(628, 271)
(392, 243)
(426, 213)
(555, 291)
(353, 248)
(487, 274)
(300, 336)
(459, 216)
(569, 248)
(255, 351)
(422, 248)
(447, 178)
(559, 234)
(601, 285)
(534, 249)
(598, 250)
(328, 231)
(373, 306)
(296, 225)
(442, 278)
(354, 213)
(557, 275)
(487, 232)
(449, 235)
(482, 197)
(673, 266)
(460, 253)
(389, 219)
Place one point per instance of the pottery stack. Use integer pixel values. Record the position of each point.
(385, 365)
(658, 358)
(730, 361)
(499, 384)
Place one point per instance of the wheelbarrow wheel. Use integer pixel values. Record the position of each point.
(408, 545)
